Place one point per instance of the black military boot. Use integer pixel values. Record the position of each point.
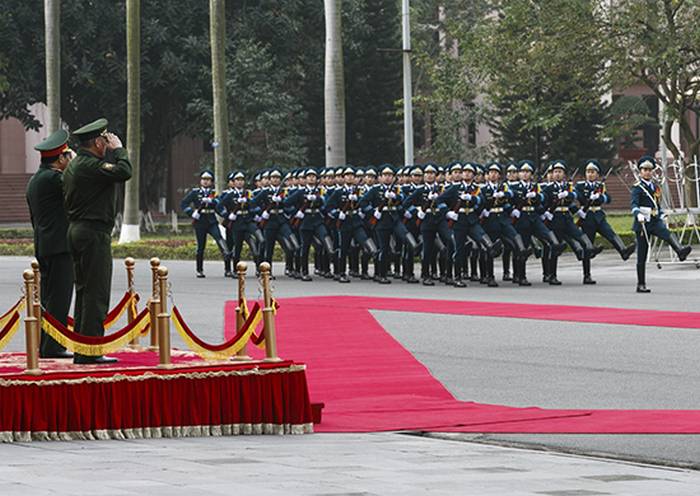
(200, 265)
(474, 266)
(522, 274)
(556, 247)
(505, 259)
(587, 279)
(553, 281)
(641, 279)
(681, 251)
(490, 278)
(624, 251)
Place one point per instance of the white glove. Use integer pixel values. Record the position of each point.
(265, 215)
(311, 197)
(299, 215)
(352, 197)
(196, 215)
(341, 216)
(499, 194)
(640, 217)
(232, 216)
(377, 214)
(452, 215)
(515, 213)
(465, 196)
(562, 195)
(276, 198)
(242, 200)
(257, 218)
(531, 194)
(548, 215)
(420, 214)
(407, 214)
(595, 196)
(361, 214)
(390, 195)
(485, 213)
(581, 213)
(206, 200)
(432, 196)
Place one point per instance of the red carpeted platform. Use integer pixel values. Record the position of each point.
(136, 399)
(369, 382)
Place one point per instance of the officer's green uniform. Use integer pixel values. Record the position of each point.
(45, 199)
(90, 188)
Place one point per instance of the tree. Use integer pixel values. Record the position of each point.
(52, 20)
(217, 20)
(130, 230)
(334, 93)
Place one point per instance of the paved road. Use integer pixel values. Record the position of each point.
(503, 360)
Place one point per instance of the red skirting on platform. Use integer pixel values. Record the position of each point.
(190, 399)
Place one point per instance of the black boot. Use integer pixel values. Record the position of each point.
(641, 279)
(200, 265)
(522, 274)
(587, 279)
(505, 260)
(553, 281)
(681, 251)
(624, 251)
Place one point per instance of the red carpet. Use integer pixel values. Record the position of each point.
(369, 382)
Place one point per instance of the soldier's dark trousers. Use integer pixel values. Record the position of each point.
(56, 295)
(655, 227)
(234, 244)
(430, 232)
(307, 239)
(91, 251)
(344, 240)
(274, 233)
(200, 232)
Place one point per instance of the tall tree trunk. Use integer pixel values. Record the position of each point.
(52, 27)
(131, 225)
(217, 32)
(334, 87)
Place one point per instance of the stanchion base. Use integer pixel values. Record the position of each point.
(165, 366)
(241, 358)
(272, 360)
(33, 371)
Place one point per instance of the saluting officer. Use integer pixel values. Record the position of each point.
(592, 195)
(45, 199)
(200, 204)
(649, 220)
(90, 194)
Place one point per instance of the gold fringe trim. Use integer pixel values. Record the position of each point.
(146, 376)
(159, 432)
(11, 333)
(140, 327)
(17, 307)
(221, 354)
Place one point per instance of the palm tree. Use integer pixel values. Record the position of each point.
(52, 27)
(131, 226)
(217, 33)
(334, 91)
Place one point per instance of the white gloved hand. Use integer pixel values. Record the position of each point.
(390, 195)
(257, 218)
(548, 215)
(640, 217)
(407, 214)
(232, 216)
(311, 197)
(341, 215)
(452, 215)
(531, 194)
(515, 213)
(265, 215)
(562, 195)
(206, 200)
(299, 215)
(465, 196)
(499, 194)
(432, 196)
(581, 213)
(595, 196)
(420, 214)
(485, 213)
(361, 214)
(352, 197)
(377, 214)
(276, 198)
(242, 200)
(196, 215)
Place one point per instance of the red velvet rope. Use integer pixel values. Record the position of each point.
(12, 309)
(259, 338)
(112, 313)
(95, 340)
(222, 346)
(8, 325)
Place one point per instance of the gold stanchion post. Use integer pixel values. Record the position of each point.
(241, 269)
(31, 325)
(163, 319)
(268, 316)
(154, 303)
(129, 263)
(37, 283)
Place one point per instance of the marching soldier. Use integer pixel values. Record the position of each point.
(90, 193)
(239, 221)
(200, 204)
(511, 180)
(592, 195)
(368, 182)
(308, 206)
(649, 220)
(50, 224)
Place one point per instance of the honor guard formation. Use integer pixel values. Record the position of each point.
(457, 219)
